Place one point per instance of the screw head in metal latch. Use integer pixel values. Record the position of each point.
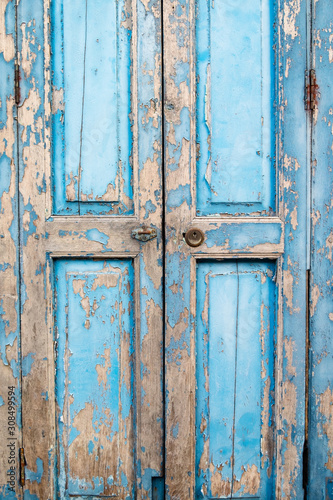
(194, 237)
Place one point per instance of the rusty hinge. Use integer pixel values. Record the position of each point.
(311, 90)
(17, 84)
(22, 466)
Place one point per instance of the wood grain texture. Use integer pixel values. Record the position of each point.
(10, 370)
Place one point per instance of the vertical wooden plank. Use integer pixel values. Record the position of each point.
(147, 158)
(321, 305)
(99, 153)
(248, 393)
(179, 139)
(222, 377)
(10, 373)
(291, 157)
(60, 154)
(73, 27)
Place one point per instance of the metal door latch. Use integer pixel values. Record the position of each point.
(144, 233)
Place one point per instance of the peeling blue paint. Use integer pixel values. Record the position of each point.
(27, 363)
(29, 496)
(124, 481)
(35, 476)
(175, 431)
(96, 235)
(179, 195)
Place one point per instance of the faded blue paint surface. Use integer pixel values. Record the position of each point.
(236, 305)
(86, 100)
(320, 442)
(292, 201)
(91, 104)
(249, 126)
(244, 237)
(94, 377)
(235, 119)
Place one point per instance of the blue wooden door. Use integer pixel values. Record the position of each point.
(236, 172)
(85, 178)
(164, 225)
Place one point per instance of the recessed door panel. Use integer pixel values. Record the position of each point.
(235, 393)
(95, 377)
(92, 279)
(235, 120)
(91, 82)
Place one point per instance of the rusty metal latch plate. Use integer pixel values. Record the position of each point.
(144, 233)
(22, 466)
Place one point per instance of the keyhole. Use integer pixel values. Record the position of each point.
(194, 237)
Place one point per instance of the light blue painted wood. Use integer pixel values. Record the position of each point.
(99, 150)
(235, 360)
(73, 43)
(94, 335)
(292, 162)
(248, 390)
(235, 107)
(221, 365)
(92, 138)
(320, 442)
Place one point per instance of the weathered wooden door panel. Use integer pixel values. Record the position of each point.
(235, 380)
(91, 321)
(236, 170)
(235, 121)
(91, 84)
(95, 377)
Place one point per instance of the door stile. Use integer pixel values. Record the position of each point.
(320, 469)
(50, 239)
(38, 404)
(292, 172)
(10, 395)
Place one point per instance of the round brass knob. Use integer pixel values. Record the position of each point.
(194, 237)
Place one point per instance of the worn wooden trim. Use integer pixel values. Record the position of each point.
(320, 444)
(292, 196)
(10, 362)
